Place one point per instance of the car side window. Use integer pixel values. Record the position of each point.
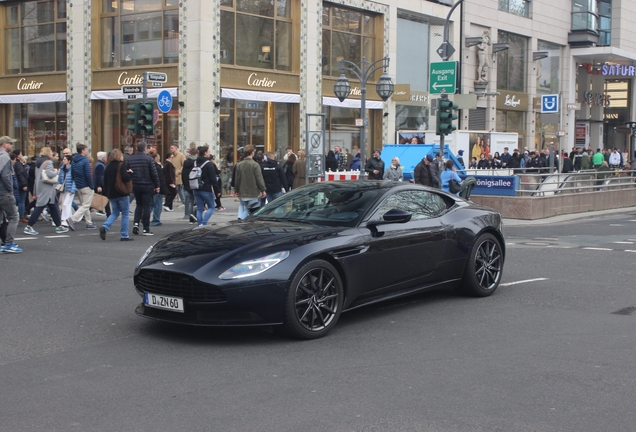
(422, 204)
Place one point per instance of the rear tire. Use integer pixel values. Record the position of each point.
(314, 300)
(484, 267)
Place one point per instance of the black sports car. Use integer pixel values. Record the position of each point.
(318, 251)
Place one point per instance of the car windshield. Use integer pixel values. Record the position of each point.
(331, 204)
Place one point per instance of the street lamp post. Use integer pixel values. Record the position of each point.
(363, 72)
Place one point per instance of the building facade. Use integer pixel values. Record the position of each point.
(582, 51)
(248, 72)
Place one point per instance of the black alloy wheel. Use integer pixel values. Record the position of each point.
(314, 301)
(484, 267)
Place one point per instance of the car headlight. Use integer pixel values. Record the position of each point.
(254, 267)
(145, 255)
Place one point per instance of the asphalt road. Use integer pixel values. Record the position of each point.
(552, 350)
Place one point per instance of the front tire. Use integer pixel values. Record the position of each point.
(314, 300)
(484, 267)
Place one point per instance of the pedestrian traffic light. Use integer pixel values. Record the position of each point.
(445, 115)
(134, 111)
(145, 119)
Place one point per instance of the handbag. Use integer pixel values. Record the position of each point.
(61, 186)
(121, 186)
(99, 202)
(46, 179)
(454, 186)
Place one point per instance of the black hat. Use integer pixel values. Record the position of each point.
(461, 152)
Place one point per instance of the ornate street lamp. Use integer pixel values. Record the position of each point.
(363, 72)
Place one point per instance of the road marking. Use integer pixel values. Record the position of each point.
(620, 242)
(57, 236)
(627, 250)
(632, 220)
(598, 249)
(545, 238)
(616, 224)
(523, 281)
(25, 238)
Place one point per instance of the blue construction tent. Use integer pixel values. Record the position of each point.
(411, 154)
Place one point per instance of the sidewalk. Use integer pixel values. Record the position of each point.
(176, 217)
(568, 217)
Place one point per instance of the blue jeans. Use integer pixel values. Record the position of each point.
(22, 203)
(272, 197)
(243, 204)
(156, 209)
(203, 198)
(119, 205)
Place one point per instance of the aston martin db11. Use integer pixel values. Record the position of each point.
(321, 250)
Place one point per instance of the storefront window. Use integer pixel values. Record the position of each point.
(346, 34)
(35, 37)
(341, 130)
(257, 34)
(38, 125)
(511, 63)
(246, 122)
(139, 32)
(512, 121)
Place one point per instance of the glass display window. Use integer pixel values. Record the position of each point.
(347, 34)
(35, 37)
(257, 34)
(139, 32)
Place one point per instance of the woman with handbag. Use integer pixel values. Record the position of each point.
(117, 188)
(66, 188)
(449, 178)
(44, 193)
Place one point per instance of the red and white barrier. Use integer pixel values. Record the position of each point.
(341, 175)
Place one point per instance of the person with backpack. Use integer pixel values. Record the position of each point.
(188, 164)
(202, 182)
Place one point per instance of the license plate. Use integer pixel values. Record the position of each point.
(159, 301)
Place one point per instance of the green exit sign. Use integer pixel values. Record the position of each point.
(442, 77)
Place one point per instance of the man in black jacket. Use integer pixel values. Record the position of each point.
(375, 167)
(145, 185)
(422, 172)
(23, 183)
(274, 176)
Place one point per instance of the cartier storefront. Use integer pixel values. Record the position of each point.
(259, 108)
(33, 110)
(110, 109)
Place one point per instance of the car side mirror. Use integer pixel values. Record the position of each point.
(390, 217)
(253, 208)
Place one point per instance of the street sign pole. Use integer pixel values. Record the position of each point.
(446, 52)
(145, 99)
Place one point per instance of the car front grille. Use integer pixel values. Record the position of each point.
(178, 285)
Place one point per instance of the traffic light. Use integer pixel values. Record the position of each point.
(445, 115)
(134, 111)
(145, 119)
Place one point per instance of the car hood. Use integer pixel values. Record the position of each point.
(190, 249)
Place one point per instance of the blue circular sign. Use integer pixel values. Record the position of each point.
(164, 101)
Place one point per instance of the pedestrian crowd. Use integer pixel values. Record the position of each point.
(65, 192)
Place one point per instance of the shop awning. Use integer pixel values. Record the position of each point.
(153, 93)
(260, 96)
(351, 103)
(33, 98)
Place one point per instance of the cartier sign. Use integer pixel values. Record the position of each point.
(124, 79)
(32, 85)
(254, 81)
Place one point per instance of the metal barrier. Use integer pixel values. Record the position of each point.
(539, 185)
